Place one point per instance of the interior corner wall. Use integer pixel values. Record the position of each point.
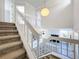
(76, 15)
(1, 10)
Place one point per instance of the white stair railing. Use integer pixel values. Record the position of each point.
(23, 27)
(63, 48)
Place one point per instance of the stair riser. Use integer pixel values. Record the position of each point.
(23, 56)
(9, 40)
(7, 28)
(8, 50)
(7, 24)
(8, 33)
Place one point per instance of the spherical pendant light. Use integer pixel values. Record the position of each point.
(45, 12)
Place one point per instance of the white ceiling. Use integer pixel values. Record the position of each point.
(41, 3)
(38, 4)
(20, 2)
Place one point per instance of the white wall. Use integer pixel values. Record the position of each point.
(76, 22)
(76, 15)
(59, 18)
(1, 10)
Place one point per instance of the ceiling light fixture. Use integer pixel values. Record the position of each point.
(45, 10)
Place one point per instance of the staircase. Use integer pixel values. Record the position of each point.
(11, 46)
(50, 57)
